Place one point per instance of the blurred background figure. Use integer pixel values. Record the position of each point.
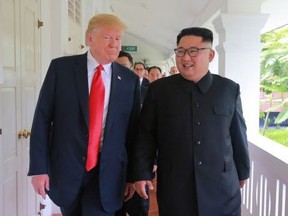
(125, 59)
(173, 70)
(139, 69)
(146, 72)
(136, 206)
(154, 73)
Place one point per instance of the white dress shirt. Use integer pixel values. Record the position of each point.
(106, 77)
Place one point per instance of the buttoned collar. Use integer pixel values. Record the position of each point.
(202, 85)
(205, 83)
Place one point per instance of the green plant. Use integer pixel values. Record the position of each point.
(274, 70)
(277, 135)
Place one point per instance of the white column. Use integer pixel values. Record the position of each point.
(239, 58)
(1, 64)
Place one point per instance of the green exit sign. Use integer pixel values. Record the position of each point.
(129, 48)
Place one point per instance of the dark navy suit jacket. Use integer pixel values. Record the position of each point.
(59, 137)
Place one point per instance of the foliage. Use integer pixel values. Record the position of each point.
(278, 135)
(274, 68)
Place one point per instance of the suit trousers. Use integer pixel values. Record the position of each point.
(88, 202)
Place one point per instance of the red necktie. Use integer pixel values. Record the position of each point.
(96, 107)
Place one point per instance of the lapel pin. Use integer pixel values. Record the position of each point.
(119, 77)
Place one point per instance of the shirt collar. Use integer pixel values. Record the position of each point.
(92, 64)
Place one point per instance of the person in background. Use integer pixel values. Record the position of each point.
(80, 153)
(146, 73)
(125, 59)
(136, 206)
(139, 69)
(154, 73)
(173, 70)
(195, 122)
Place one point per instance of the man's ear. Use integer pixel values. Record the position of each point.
(211, 55)
(88, 39)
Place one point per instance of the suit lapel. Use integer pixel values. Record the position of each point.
(116, 81)
(81, 80)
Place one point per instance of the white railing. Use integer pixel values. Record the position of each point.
(266, 192)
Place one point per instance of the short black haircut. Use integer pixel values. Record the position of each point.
(206, 34)
(136, 63)
(154, 67)
(126, 54)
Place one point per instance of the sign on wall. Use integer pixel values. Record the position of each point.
(129, 48)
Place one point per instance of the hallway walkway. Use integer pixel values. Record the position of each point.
(153, 211)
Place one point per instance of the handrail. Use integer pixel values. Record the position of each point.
(266, 192)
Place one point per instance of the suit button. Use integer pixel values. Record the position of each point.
(197, 123)
(199, 163)
(84, 158)
(197, 105)
(198, 142)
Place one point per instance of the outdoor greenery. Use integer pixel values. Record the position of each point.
(274, 68)
(278, 135)
(274, 79)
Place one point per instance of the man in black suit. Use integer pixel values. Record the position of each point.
(139, 69)
(136, 206)
(60, 130)
(194, 120)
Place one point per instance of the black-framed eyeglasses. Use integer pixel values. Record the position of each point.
(192, 52)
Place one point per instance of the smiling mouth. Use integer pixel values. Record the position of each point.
(187, 65)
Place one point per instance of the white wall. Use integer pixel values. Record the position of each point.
(278, 14)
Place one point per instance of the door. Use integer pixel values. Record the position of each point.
(18, 93)
(30, 81)
(10, 148)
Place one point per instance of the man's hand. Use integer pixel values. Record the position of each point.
(41, 184)
(129, 191)
(140, 188)
(242, 182)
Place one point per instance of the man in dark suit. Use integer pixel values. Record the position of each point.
(195, 121)
(139, 69)
(136, 206)
(60, 130)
